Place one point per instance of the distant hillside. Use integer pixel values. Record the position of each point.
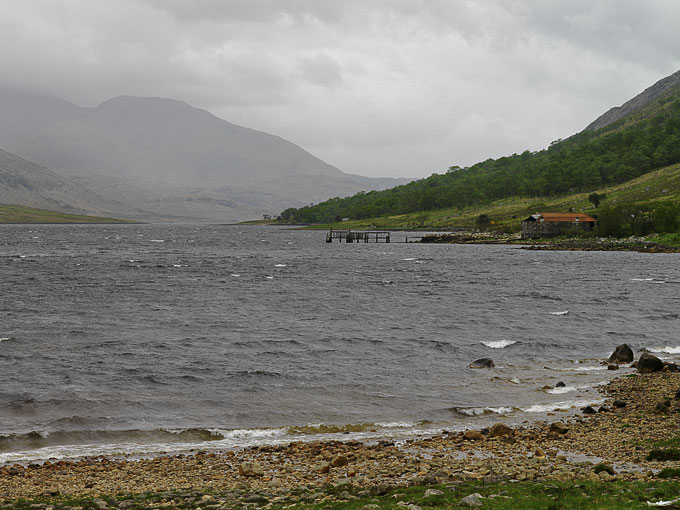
(645, 138)
(24, 183)
(20, 214)
(643, 193)
(169, 158)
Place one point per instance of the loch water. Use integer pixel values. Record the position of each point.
(141, 339)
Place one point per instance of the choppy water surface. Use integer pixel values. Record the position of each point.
(147, 338)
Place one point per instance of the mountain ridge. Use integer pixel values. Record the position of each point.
(172, 152)
(644, 98)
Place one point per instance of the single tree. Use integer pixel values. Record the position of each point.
(483, 220)
(596, 198)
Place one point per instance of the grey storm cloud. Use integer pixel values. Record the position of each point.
(375, 87)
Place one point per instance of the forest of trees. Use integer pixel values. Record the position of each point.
(585, 161)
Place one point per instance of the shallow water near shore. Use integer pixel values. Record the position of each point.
(141, 339)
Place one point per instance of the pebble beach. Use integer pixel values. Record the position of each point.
(640, 411)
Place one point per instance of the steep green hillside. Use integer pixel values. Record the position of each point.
(644, 140)
(19, 214)
(644, 193)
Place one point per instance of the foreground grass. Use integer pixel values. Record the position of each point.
(506, 496)
(20, 214)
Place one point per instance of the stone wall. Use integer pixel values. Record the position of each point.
(536, 229)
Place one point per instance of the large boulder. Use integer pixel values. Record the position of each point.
(558, 428)
(250, 469)
(472, 501)
(339, 461)
(622, 354)
(649, 363)
(482, 363)
(501, 429)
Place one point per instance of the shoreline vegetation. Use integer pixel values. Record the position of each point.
(624, 454)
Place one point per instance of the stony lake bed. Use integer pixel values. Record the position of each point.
(624, 441)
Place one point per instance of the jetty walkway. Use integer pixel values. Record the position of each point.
(358, 236)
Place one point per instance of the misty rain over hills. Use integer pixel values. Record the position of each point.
(159, 159)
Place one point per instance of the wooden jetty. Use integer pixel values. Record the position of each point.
(358, 236)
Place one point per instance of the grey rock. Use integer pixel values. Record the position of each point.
(472, 501)
(432, 492)
(622, 354)
(482, 363)
(649, 363)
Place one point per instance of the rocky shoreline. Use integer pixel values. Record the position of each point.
(642, 411)
(638, 244)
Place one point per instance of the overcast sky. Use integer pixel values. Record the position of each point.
(374, 87)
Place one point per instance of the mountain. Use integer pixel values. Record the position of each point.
(664, 87)
(27, 184)
(627, 142)
(169, 158)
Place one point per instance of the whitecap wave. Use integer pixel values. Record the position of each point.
(642, 279)
(478, 411)
(567, 404)
(249, 433)
(280, 265)
(395, 425)
(566, 312)
(666, 350)
(499, 344)
(588, 368)
(561, 390)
